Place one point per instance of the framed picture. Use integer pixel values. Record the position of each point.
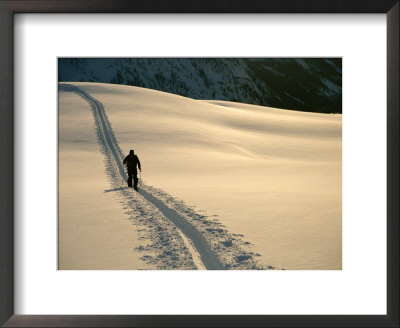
(238, 127)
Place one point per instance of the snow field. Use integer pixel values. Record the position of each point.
(266, 181)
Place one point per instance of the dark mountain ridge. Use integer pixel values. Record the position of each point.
(305, 84)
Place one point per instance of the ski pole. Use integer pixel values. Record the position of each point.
(122, 178)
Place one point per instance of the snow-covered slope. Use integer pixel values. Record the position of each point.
(226, 185)
(309, 84)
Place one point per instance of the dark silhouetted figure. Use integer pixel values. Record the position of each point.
(131, 161)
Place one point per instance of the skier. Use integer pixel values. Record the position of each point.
(131, 161)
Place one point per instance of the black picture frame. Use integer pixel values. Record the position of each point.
(10, 7)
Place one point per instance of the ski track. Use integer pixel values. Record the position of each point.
(179, 237)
